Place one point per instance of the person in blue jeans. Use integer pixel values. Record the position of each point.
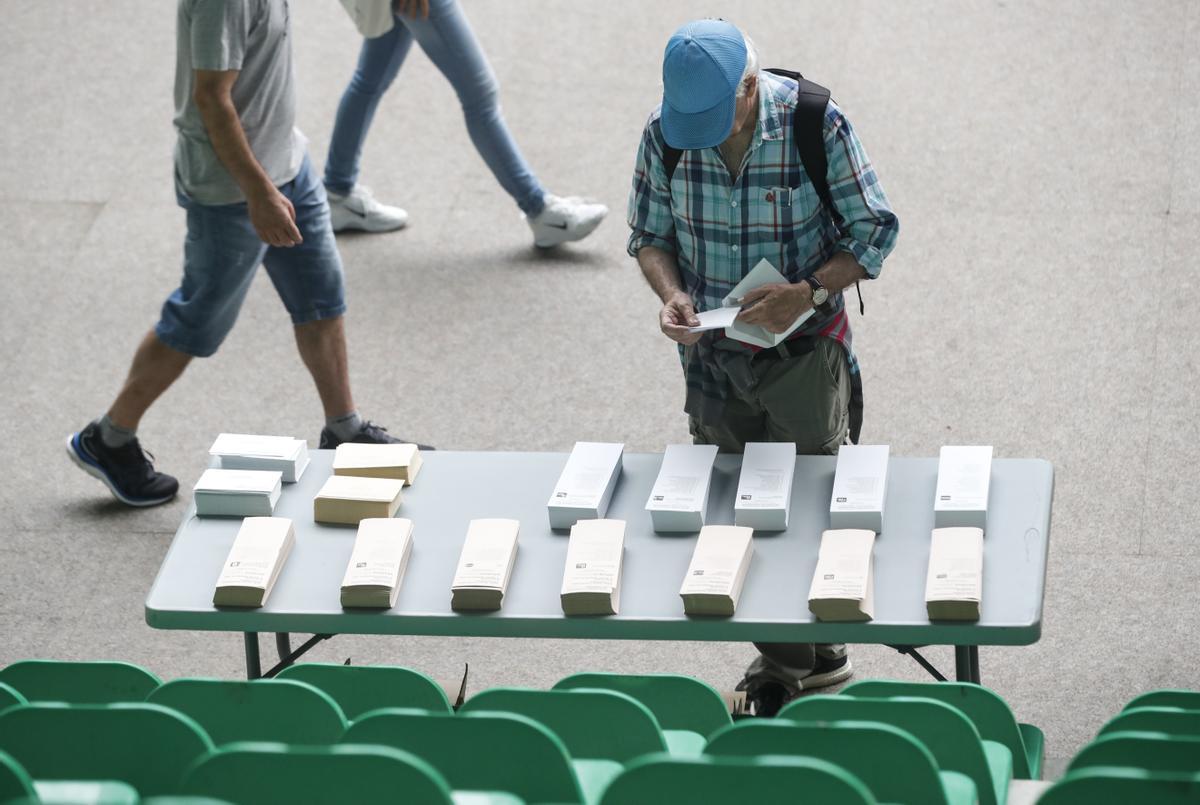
(252, 198)
(441, 29)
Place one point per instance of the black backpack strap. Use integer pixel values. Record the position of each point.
(808, 130)
(670, 160)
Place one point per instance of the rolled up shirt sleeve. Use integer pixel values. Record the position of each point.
(649, 214)
(869, 227)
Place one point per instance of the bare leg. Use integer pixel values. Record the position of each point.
(155, 367)
(322, 346)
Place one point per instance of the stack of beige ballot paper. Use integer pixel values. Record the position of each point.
(592, 576)
(586, 485)
(718, 570)
(261, 547)
(843, 585)
(243, 451)
(764, 493)
(485, 565)
(348, 499)
(954, 585)
(377, 563)
(397, 461)
(237, 493)
(680, 494)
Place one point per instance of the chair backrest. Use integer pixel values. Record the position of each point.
(15, 782)
(1103, 785)
(1183, 699)
(147, 746)
(720, 780)
(678, 702)
(888, 760)
(10, 696)
(79, 682)
(360, 688)
(1170, 720)
(478, 751)
(947, 734)
(591, 723)
(1149, 751)
(261, 710)
(985, 709)
(277, 774)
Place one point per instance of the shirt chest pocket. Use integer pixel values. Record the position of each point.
(777, 211)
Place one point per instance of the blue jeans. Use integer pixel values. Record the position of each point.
(223, 252)
(448, 41)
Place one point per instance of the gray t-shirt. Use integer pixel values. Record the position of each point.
(253, 37)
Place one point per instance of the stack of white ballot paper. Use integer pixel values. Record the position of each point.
(485, 565)
(764, 493)
(348, 499)
(381, 551)
(592, 576)
(398, 461)
(859, 487)
(680, 494)
(843, 585)
(237, 493)
(261, 547)
(717, 571)
(586, 484)
(954, 585)
(964, 476)
(243, 451)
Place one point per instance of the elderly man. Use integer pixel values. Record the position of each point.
(719, 185)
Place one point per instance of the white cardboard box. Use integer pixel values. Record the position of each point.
(680, 494)
(964, 478)
(586, 484)
(764, 494)
(244, 451)
(592, 575)
(843, 584)
(377, 563)
(954, 584)
(252, 567)
(237, 493)
(485, 565)
(717, 572)
(859, 487)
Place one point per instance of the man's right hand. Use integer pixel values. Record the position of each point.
(274, 218)
(676, 316)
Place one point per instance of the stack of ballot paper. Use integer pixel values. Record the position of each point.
(680, 494)
(586, 485)
(954, 584)
(859, 487)
(843, 585)
(237, 493)
(764, 494)
(718, 570)
(261, 547)
(485, 565)
(377, 563)
(964, 476)
(347, 499)
(398, 461)
(592, 577)
(242, 451)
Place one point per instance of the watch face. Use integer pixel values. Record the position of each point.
(820, 295)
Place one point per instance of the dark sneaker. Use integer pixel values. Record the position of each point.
(369, 434)
(828, 672)
(125, 470)
(767, 698)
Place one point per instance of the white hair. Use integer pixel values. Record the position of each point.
(751, 64)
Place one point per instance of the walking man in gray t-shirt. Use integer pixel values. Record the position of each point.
(243, 176)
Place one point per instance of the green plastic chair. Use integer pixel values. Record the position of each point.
(86, 792)
(1170, 720)
(260, 710)
(79, 682)
(1121, 786)
(277, 774)
(15, 782)
(1148, 751)
(10, 697)
(768, 780)
(986, 710)
(360, 688)
(1183, 699)
(478, 752)
(688, 710)
(945, 732)
(889, 761)
(147, 746)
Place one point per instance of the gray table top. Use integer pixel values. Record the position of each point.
(455, 487)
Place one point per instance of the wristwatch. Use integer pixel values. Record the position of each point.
(820, 294)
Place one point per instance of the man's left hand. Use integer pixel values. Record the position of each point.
(775, 307)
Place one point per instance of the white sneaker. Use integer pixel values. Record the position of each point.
(358, 209)
(565, 219)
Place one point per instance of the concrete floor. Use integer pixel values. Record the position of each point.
(1042, 157)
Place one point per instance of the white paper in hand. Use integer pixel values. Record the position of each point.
(763, 274)
(716, 319)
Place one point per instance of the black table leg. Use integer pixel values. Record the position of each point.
(962, 663)
(253, 663)
(283, 644)
(974, 650)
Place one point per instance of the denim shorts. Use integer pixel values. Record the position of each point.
(222, 253)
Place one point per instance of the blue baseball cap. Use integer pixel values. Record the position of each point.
(702, 67)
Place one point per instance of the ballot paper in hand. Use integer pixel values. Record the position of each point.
(716, 319)
(763, 274)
